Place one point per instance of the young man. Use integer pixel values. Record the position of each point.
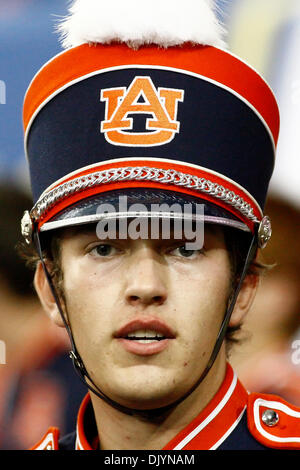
(150, 151)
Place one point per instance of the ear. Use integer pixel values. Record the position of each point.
(245, 299)
(45, 295)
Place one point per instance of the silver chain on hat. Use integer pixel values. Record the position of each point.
(157, 175)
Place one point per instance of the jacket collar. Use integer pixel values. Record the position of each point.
(206, 432)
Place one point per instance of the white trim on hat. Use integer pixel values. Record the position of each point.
(89, 219)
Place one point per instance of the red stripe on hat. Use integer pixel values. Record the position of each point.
(200, 173)
(207, 61)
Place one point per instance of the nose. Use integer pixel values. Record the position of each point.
(146, 283)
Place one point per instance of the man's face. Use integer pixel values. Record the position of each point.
(120, 292)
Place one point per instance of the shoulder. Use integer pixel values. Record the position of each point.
(273, 422)
(270, 423)
(51, 441)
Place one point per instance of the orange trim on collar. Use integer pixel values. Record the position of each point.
(81, 440)
(49, 441)
(218, 419)
(208, 430)
(284, 432)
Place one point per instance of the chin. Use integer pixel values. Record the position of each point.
(145, 403)
(146, 395)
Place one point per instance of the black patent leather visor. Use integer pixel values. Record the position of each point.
(142, 203)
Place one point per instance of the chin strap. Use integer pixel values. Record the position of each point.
(83, 373)
(74, 354)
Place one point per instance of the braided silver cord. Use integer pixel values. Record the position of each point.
(158, 175)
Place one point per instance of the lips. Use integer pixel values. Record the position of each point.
(145, 336)
(147, 324)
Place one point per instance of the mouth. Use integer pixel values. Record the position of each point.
(145, 336)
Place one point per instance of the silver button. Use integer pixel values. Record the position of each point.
(27, 227)
(270, 418)
(264, 232)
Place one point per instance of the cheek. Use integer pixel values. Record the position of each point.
(90, 298)
(200, 305)
(86, 282)
(205, 288)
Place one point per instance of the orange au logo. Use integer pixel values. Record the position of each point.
(161, 104)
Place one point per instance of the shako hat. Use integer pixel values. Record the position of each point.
(147, 102)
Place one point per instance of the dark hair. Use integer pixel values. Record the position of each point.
(13, 203)
(238, 245)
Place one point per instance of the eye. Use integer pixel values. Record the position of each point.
(103, 250)
(183, 252)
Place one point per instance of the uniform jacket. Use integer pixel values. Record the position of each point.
(233, 420)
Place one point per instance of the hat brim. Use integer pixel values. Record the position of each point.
(142, 203)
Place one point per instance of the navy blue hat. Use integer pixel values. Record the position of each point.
(184, 121)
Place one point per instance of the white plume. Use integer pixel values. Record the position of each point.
(139, 22)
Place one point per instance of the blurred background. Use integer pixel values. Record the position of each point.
(38, 387)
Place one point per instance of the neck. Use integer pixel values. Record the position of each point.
(119, 431)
